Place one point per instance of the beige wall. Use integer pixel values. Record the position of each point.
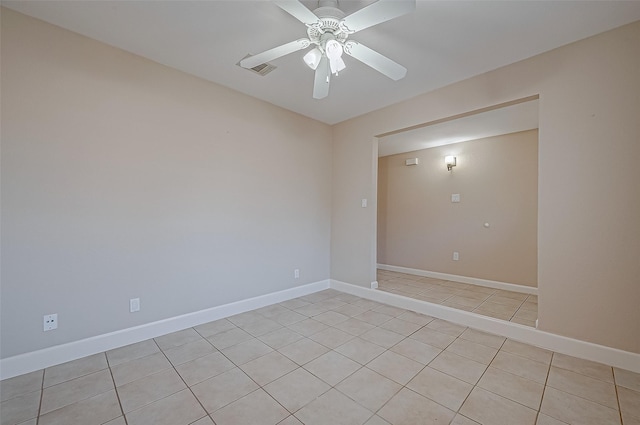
(123, 178)
(497, 179)
(589, 196)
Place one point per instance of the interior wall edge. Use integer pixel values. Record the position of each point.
(558, 343)
(505, 286)
(51, 356)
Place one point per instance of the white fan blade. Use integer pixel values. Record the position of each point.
(376, 13)
(321, 81)
(298, 11)
(375, 60)
(274, 53)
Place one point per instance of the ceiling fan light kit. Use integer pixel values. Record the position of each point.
(328, 29)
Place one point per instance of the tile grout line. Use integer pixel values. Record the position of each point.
(41, 396)
(115, 388)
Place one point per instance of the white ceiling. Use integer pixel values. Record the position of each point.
(509, 119)
(440, 43)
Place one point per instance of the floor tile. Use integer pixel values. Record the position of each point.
(629, 402)
(576, 410)
(548, 420)
(332, 367)
(303, 351)
(116, 421)
(176, 339)
(400, 326)
(441, 388)
(280, 338)
(92, 411)
(458, 367)
(331, 318)
(290, 420)
(243, 319)
(583, 386)
(268, 367)
(294, 303)
(395, 367)
(271, 311)
(630, 420)
(513, 387)
(508, 301)
(434, 338)
(527, 351)
(127, 372)
(308, 327)
(296, 389)
(255, 408)
(246, 351)
(203, 421)
(181, 408)
(223, 389)
(463, 420)
(627, 379)
(373, 317)
(333, 408)
(360, 350)
(190, 351)
(416, 350)
(70, 392)
(311, 310)
(354, 326)
(521, 366)
(211, 328)
(368, 388)
(20, 408)
(390, 310)
(417, 318)
(21, 384)
(203, 368)
(289, 318)
(229, 338)
(583, 367)
(137, 394)
(488, 408)
(261, 327)
(382, 337)
(350, 310)
(376, 420)
(490, 340)
(132, 352)
(331, 337)
(74, 369)
(477, 352)
(409, 408)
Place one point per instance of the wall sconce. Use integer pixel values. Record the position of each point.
(450, 160)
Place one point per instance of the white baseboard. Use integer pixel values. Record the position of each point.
(560, 344)
(374, 284)
(462, 279)
(40, 359)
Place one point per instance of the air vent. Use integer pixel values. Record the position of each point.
(262, 69)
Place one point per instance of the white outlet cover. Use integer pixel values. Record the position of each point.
(50, 322)
(134, 305)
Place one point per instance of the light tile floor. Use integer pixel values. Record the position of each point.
(505, 305)
(326, 358)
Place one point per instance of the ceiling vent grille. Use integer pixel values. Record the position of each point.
(262, 69)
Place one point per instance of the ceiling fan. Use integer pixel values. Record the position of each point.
(328, 29)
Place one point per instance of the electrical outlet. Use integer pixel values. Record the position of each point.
(50, 322)
(296, 273)
(134, 305)
(456, 256)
